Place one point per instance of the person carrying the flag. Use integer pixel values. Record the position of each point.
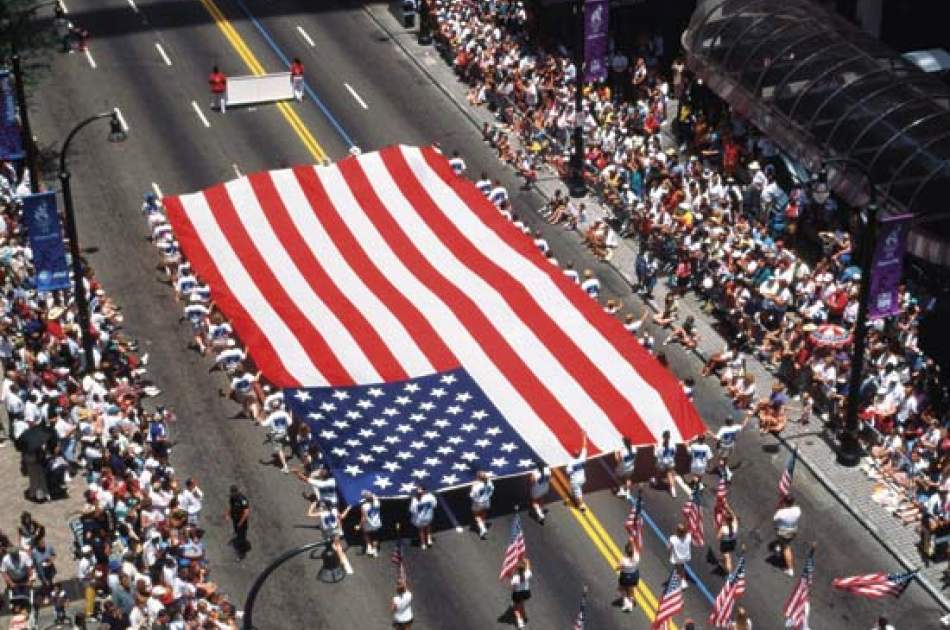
(539, 484)
(578, 476)
(331, 524)
(371, 522)
(786, 521)
(665, 463)
(421, 512)
(626, 460)
(726, 436)
(481, 494)
(629, 576)
(700, 455)
(521, 591)
(401, 606)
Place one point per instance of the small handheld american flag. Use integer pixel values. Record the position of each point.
(719, 507)
(693, 514)
(875, 585)
(634, 523)
(516, 550)
(580, 623)
(671, 604)
(732, 590)
(785, 483)
(399, 561)
(797, 605)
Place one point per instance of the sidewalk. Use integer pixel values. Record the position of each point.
(850, 486)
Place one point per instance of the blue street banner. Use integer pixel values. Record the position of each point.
(46, 239)
(595, 40)
(11, 144)
(887, 266)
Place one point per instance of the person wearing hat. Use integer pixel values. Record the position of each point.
(591, 284)
(239, 511)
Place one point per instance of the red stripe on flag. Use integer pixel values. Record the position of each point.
(418, 327)
(243, 244)
(682, 411)
(322, 284)
(519, 375)
(574, 361)
(265, 356)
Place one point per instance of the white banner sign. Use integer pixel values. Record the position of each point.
(265, 88)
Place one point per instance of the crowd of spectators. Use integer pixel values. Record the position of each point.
(700, 191)
(140, 558)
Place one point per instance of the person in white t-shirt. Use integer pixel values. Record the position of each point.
(191, 500)
(578, 475)
(665, 454)
(421, 512)
(680, 546)
(539, 484)
(401, 607)
(278, 423)
(457, 163)
(625, 460)
(521, 591)
(700, 455)
(726, 436)
(480, 495)
(371, 521)
(786, 521)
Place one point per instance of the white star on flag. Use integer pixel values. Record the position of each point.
(450, 480)
(353, 470)
(340, 395)
(463, 397)
(302, 395)
(382, 482)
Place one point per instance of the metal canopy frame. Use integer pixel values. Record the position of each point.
(890, 108)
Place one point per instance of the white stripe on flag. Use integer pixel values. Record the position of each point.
(281, 263)
(532, 351)
(502, 393)
(627, 381)
(286, 345)
(325, 250)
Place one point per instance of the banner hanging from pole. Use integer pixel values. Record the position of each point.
(887, 266)
(11, 142)
(596, 14)
(46, 240)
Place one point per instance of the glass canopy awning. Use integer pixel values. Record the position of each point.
(822, 88)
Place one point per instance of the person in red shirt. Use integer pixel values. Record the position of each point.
(218, 83)
(296, 78)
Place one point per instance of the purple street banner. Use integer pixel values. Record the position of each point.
(46, 239)
(11, 145)
(887, 266)
(595, 40)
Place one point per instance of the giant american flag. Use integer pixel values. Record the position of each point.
(875, 585)
(387, 267)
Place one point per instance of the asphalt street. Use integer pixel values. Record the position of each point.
(375, 97)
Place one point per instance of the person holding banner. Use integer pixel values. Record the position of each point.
(481, 494)
(296, 78)
(219, 85)
(421, 512)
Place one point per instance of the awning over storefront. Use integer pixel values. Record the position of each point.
(822, 88)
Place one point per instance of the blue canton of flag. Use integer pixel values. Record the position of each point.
(436, 430)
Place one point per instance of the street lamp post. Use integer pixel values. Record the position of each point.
(849, 446)
(576, 185)
(26, 133)
(116, 134)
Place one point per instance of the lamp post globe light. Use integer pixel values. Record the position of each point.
(117, 133)
(850, 450)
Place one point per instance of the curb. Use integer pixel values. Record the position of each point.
(820, 476)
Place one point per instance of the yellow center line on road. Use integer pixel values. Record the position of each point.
(255, 67)
(591, 525)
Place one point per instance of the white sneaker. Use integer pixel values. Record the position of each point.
(945, 621)
(789, 572)
(285, 470)
(685, 585)
(423, 546)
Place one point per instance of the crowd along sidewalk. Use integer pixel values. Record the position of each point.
(851, 487)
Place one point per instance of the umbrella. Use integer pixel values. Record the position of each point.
(35, 438)
(831, 336)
